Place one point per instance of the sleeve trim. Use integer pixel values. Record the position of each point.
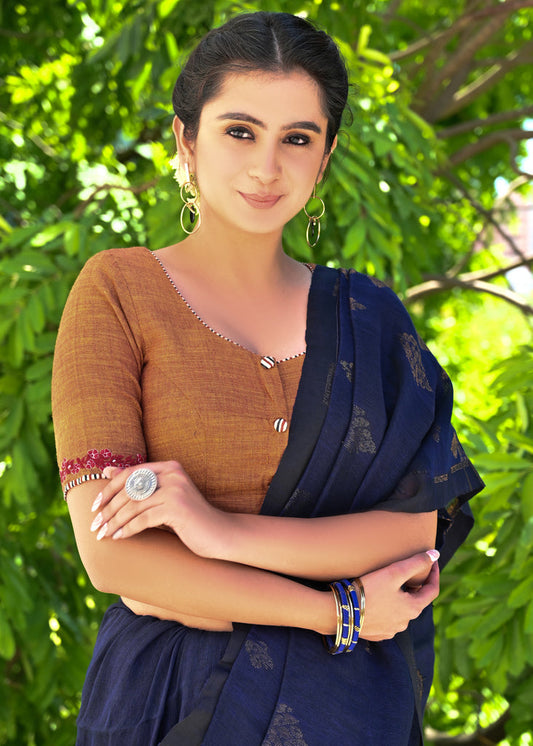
(94, 459)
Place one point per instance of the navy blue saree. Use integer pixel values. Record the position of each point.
(370, 430)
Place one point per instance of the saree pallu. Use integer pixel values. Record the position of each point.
(370, 430)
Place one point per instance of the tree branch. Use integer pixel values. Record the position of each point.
(38, 141)
(489, 217)
(455, 70)
(472, 91)
(464, 21)
(489, 274)
(484, 143)
(520, 181)
(20, 34)
(502, 116)
(446, 283)
(391, 10)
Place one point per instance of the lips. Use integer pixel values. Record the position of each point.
(261, 201)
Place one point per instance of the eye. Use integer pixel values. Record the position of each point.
(239, 133)
(297, 139)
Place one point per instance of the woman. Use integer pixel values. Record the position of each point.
(294, 430)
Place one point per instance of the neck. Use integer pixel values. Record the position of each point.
(236, 257)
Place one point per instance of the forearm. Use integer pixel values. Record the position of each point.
(325, 548)
(155, 568)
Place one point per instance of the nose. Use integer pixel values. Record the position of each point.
(265, 165)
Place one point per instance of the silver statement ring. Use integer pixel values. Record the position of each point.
(141, 484)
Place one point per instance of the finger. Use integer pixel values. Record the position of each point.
(120, 511)
(415, 569)
(105, 515)
(117, 480)
(430, 589)
(111, 499)
(123, 528)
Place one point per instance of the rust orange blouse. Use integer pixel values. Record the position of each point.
(139, 377)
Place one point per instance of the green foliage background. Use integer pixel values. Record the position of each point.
(85, 139)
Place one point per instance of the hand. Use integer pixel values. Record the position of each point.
(390, 601)
(176, 504)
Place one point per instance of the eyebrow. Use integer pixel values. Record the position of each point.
(242, 117)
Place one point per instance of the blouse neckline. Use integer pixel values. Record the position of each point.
(214, 331)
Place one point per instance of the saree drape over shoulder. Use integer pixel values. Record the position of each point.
(370, 429)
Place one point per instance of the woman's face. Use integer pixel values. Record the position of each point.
(259, 150)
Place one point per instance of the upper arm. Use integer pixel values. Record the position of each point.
(96, 390)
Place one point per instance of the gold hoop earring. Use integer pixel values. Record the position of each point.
(312, 234)
(190, 195)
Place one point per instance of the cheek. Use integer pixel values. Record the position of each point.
(217, 165)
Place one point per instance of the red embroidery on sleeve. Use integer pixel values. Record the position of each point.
(98, 460)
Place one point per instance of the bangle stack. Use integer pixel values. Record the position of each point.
(350, 604)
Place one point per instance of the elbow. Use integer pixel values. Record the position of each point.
(97, 567)
(99, 581)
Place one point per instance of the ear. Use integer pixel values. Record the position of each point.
(325, 160)
(184, 146)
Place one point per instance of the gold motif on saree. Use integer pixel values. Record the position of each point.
(348, 369)
(356, 306)
(412, 352)
(259, 655)
(329, 382)
(359, 437)
(456, 447)
(284, 729)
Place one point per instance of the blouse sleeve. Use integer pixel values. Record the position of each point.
(96, 386)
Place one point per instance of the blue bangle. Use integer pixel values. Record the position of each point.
(356, 605)
(345, 621)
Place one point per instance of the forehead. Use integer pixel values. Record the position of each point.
(275, 98)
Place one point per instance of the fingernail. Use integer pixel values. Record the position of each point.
(107, 472)
(97, 522)
(96, 504)
(433, 554)
(100, 535)
(117, 534)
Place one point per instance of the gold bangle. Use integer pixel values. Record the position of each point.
(360, 587)
(351, 620)
(338, 637)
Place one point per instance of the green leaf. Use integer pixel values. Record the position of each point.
(526, 496)
(355, 236)
(49, 233)
(72, 239)
(521, 593)
(528, 625)
(7, 639)
(501, 461)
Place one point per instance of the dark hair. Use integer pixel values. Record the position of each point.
(269, 42)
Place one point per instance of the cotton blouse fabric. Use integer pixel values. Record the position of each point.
(369, 428)
(138, 376)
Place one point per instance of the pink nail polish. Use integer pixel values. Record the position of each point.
(96, 504)
(100, 535)
(97, 522)
(118, 534)
(433, 554)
